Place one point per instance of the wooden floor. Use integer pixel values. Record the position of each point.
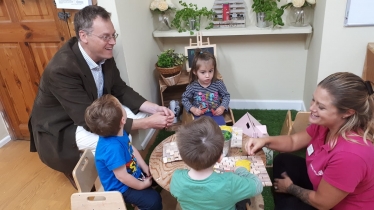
(26, 183)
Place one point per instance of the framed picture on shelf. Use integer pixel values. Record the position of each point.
(190, 53)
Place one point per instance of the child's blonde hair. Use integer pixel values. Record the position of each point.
(202, 56)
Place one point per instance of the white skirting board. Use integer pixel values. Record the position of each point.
(143, 137)
(140, 138)
(268, 104)
(5, 140)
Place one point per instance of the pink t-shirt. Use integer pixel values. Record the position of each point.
(348, 167)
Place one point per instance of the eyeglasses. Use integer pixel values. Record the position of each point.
(106, 38)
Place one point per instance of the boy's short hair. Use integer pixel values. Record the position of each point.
(200, 143)
(104, 116)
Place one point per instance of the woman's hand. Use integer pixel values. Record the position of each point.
(195, 111)
(281, 185)
(219, 111)
(253, 145)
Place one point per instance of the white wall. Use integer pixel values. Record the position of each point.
(259, 67)
(4, 134)
(3, 129)
(334, 47)
(343, 48)
(314, 52)
(136, 50)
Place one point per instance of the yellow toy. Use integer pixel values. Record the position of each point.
(243, 163)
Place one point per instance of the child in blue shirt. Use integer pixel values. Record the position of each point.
(119, 165)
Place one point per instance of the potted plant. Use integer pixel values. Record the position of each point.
(169, 65)
(189, 18)
(162, 7)
(267, 10)
(297, 16)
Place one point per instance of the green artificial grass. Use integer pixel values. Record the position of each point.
(273, 119)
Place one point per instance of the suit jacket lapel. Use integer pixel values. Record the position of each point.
(107, 72)
(86, 71)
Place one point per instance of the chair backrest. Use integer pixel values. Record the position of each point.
(85, 172)
(85, 175)
(107, 201)
(287, 124)
(301, 122)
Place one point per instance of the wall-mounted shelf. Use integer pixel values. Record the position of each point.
(250, 30)
(247, 31)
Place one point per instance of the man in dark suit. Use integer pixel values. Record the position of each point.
(80, 72)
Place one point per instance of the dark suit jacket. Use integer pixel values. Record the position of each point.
(66, 89)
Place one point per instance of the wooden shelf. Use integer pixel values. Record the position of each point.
(247, 31)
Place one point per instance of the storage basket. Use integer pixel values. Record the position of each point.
(171, 80)
(171, 70)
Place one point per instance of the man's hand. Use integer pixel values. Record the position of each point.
(219, 111)
(159, 120)
(196, 111)
(166, 111)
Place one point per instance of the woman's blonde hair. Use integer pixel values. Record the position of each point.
(349, 91)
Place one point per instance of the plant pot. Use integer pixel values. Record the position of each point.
(299, 16)
(171, 79)
(260, 20)
(164, 22)
(169, 71)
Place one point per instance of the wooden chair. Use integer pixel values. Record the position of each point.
(287, 124)
(301, 122)
(188, 117)
(85, 177)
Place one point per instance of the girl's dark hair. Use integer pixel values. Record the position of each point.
(104, 116)
(83, 19)
(200, 55)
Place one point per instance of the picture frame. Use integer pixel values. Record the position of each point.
(190, 53)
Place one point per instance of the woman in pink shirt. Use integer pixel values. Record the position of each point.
(338, 171)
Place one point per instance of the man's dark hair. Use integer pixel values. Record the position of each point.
(83, 19)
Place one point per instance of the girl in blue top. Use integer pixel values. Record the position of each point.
(206, 94)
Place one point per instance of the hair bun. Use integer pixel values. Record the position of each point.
(369, 87)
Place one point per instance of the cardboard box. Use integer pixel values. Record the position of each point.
(368, 72)
(301, 123)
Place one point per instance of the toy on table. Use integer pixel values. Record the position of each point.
(227, 134)
(237, 137)
(170, 152)
(252, 128)
(174, 107)
(243, 163)
(256, 167)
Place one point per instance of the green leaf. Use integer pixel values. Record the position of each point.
(190, 11)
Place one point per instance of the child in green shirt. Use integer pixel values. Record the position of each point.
(200, 145)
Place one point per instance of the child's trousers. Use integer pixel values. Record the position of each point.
(147, 199)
